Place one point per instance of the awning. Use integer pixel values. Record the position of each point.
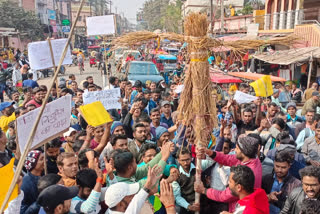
(288, 57)
(220, 77)
(255, 76)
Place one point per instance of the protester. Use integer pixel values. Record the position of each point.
(57, 198)
(279, 184)
(34, 164)
(310, 179)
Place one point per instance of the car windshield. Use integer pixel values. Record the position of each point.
(143, 69)
(119, 50)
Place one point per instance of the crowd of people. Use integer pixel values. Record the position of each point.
(262, 158)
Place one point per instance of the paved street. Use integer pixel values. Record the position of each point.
(75, 70)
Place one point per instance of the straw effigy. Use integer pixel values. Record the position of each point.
(197, 107)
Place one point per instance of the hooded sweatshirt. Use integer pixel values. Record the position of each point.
(255, 203)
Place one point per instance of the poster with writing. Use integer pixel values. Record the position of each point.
(39, 54)
(100, 25)
(241, 97)
(109, 98)
(54, 120)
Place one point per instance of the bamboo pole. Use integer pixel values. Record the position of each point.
(310, 70)
(53, 63)
(33, 131)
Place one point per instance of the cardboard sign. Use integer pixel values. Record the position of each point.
(40, 56)
(100, 25)
(108, 98)
(241, 97)
(95, 114)
(54, 121)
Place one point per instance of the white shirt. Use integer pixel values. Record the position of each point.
(219, 177)
(135, 204)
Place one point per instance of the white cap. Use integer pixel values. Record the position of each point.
(116, 192)
(68, 133)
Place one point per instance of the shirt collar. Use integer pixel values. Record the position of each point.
(181, 170)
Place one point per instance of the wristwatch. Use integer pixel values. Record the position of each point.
(146, 189)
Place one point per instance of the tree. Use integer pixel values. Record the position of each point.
(172, 20)
(13, 16)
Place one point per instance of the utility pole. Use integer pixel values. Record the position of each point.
(211, 16)
(222, 17)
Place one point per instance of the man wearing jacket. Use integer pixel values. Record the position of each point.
(310, 177)
(246, 154)
(279, 183)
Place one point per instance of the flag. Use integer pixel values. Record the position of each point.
(263, 86)
(6, 176)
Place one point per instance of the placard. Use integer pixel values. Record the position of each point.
(109, 98)
(54, 120)
(95, 114)
(241, 97)
(40, 57)
(100, 25)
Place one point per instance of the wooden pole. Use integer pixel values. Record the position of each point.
(310, 70)
(34, 129)
(53, 63)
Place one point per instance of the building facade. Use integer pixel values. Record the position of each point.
(285, 14)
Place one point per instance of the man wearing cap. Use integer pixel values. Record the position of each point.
(312, 103)
(37, 98)
(126, 198)
(275, 98)
(69, 137)
(308, 93)
(34, 164)
(8, 115)
(246, 154)
(166, 113)
(56, 199)
(292, 119)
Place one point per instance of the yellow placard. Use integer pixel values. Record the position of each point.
(6, 176)
(263, 86)
(95, 114)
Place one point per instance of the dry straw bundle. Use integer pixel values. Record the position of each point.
(197, 107)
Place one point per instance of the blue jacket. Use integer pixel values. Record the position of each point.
(30, 190)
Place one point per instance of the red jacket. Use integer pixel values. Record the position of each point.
(231, 160)
(255, 203)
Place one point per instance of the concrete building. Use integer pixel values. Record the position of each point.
(190, 6)
(285, 14)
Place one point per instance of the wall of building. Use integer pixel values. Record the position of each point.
(28, 5)
(234, 24)
(195, 6)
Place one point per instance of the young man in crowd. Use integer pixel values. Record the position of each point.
(52, 152)
(139, 138)
(68, 168)
(241, 184)
(37, 97)
(8, 115)
(279, 184)
(30, 82)
(246, 154)
(57, 198)
(184, 185)
(310, 179)
(155, 117)
(166, 113)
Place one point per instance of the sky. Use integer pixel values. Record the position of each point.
(128, 7)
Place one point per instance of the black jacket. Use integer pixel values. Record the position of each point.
(289, 183)
(294, 202)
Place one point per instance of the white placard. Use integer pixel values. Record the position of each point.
(40, 57)
(241, 97)
(179, 89)
(109, 98)
(54, 120)
(100, 25)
